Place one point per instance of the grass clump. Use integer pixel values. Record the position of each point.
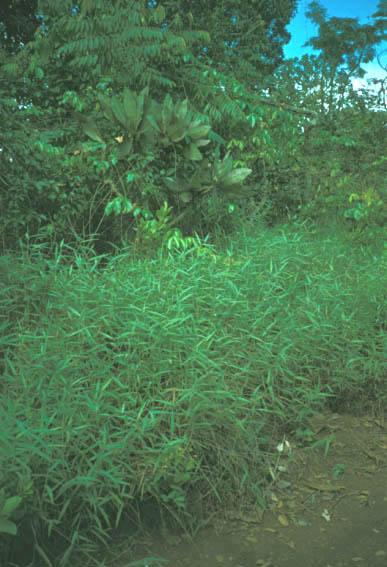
(152, 390)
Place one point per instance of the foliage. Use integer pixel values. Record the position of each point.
(162, 119)
(173, 131)
(122, 395)
(83, 177)
(42, 187)
(111, 39)
(168, 136)
(80, 178)
(341, 160)
(345, 46)
(7, 507)
(246, 37)
(18, 22)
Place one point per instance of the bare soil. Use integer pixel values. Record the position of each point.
(328, 508)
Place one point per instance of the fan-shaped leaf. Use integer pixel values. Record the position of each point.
(193, 153)
(235, 177)
(198, 131)
(130, 109)
(119, 112)
(91, 130)
(105, 103)
(166, 112)
(176, 131)
(182, 109)
(200, 143)
(125, 149)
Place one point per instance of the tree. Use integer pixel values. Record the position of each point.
(345, 45)
(76, 88)
(82, 43)
(18, 22)
(247, 38)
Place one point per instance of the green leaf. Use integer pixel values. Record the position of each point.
(39, 73)
(91, 130)
(176, 131)
(141, 103)
(125, 149)
(214, 137)
(130, 177)
(166, 112)
(197, 131)
(193, 153)
(202, 174)
(222, 168)
(185, 196)
(152, 121)
(10, 505)
(200, 143)
(130, 109)
(174, 185)
(182, 109)
(119, 112)
(2, 498)
(7, 527)
(117, 205)
(109, 208)
(235, 177)
(127, 206)
(159, 14)
(105, 103)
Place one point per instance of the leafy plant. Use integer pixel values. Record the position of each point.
(135, 352)
(338, 470)
(217, 176)
(7, 508)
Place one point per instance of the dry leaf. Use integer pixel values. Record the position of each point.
(283, 520)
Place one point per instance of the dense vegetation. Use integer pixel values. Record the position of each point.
(193, 257)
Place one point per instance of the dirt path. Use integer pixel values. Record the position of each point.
(325, 510)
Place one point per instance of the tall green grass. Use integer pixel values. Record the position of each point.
(139, 392)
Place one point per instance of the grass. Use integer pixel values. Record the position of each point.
(145, 392)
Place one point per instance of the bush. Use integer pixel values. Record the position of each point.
(152, 389)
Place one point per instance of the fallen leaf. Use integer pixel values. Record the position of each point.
(283, 520)
(324, 487)
(326, 516)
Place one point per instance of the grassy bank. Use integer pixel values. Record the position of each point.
(151, 390)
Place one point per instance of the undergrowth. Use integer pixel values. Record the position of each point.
(152, 390)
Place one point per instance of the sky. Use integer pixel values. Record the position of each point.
(302, 29)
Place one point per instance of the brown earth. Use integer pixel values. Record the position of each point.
(328, 508)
